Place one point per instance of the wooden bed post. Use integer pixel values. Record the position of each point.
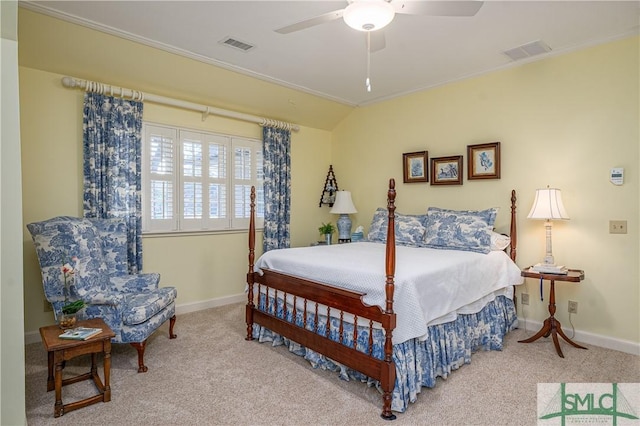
(512, 232)
(252, 255)
(389, 376)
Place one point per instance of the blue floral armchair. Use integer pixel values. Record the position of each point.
(132, 305)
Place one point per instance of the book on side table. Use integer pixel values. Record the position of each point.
(80, 333)
(549, 269)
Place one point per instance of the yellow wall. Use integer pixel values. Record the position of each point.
(562, 121)
(203, 268)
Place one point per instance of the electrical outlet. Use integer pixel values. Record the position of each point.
(525, 298)
(47, 306)
(573, 307)
(617, 226)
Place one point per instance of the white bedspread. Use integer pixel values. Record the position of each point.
(430, 285)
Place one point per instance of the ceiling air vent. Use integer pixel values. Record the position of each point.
(237, 44)
(527, 50)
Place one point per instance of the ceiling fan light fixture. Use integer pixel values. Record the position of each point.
(368, 15)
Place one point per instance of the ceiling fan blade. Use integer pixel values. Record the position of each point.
(437, 8)
(312, 22)
(377, 41)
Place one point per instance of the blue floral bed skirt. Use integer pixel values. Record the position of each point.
(418, 362)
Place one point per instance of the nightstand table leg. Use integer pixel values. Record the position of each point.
(544, 332)
(569, 341)
(552, 326)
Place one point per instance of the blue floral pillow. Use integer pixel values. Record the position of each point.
(468, 230)
(409, 229)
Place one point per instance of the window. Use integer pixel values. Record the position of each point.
(198, 181)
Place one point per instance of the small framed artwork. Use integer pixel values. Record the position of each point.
(483, 161)
(446, 170)
(414, 166)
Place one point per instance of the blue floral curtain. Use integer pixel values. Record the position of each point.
(277, 187)
(112, 165)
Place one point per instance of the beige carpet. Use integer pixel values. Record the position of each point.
(211, 375)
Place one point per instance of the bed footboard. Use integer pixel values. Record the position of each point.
(292, 307)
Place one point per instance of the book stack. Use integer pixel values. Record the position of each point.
(80, 333)
(543, 268)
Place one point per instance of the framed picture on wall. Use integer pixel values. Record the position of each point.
(414, 167)
(483, 161)
(446, 170)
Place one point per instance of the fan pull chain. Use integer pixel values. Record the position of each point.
(367, 82)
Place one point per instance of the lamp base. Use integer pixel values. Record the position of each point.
(344, 227)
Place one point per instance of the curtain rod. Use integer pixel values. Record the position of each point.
(136, 95)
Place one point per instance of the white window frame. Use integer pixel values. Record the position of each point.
(176, 222)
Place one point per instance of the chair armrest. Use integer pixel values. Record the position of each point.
(135, 283)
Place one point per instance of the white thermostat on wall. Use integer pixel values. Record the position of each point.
(617, 176)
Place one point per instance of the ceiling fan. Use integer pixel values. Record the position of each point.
(371, 16)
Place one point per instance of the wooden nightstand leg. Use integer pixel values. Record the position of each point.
(51, 385)
(107, 371)
(94, 365)
(58, 407)
(556, 343)
(569, 341)
(544, 332)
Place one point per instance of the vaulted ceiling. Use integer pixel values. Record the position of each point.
(330, 59)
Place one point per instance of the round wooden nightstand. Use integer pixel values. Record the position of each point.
(551, 326)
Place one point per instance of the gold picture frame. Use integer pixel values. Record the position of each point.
(446, 170)
(415, 166)
(483, 161)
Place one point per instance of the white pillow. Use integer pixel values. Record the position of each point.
(499, 242)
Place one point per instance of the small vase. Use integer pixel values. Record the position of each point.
(327, 238)
(67, 321)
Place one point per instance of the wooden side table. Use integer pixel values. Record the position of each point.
(551, 326)
(61, 350)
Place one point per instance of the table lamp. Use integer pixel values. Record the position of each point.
(548, 206)
(343, 206)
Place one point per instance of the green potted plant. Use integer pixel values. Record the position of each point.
(327, 229)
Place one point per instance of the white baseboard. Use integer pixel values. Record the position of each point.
(211, 303)
(589, 338)
(34, 336)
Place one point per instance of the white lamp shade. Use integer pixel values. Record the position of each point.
(548, 205)
(343, 203)
(368, 15)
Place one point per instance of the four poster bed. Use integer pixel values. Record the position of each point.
(398, 330)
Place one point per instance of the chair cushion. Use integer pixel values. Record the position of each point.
(142, 306)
